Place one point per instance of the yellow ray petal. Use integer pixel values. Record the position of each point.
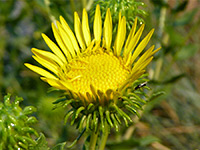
(70, 34)
(130, 36)
(85, 28)
(107, 29)
(133, 76)
(66, 84)
(145, 56)
(54, 48)
(66, 39)
(40, 71)
(89, 97)
(47, 56)
(97, 26)
(78, 30)
(54, 83)
(142, 45)
(136, 75)
(47, 64)
(60, 42)
(93, 90)
(133, 42)
(155, 51)
(121, 34)
(142, 65)
(89, 48)
(97, 45)
(146, 63)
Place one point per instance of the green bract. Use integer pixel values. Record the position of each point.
(112, 114)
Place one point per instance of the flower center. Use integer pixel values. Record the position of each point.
(102, 70)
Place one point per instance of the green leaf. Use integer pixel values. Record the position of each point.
(59, 146)
(156, 95)
(186, 18)
(174, 79)
(60, 100)
(187, 52)
(41, 143)
(29, 110)
(148, 140)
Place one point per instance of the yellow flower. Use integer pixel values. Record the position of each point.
(90, 67)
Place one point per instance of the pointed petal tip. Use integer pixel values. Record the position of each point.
(43, 78)
(136, 18)
(98, 6)
(33, 49)
(152, 31)
(84, 10)
(75, 13)
(43, 35)
(61, 18)
(26, 64)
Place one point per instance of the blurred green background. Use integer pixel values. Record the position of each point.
(170, 121)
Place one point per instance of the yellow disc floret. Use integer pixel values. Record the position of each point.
(102, 70)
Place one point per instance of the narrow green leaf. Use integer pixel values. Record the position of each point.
(131, 109)
(60, 100)
(76, 140)
(108, 118)
(95, 120)
(59, 146)
(115, 123)
(68, 102)
(123, 114)
(88, 122)
(81, 124)
(90, 106)
(68, 115)
(101, 117)
(117, 118)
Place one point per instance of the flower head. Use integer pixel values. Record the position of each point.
(91, 66)
(96, 71)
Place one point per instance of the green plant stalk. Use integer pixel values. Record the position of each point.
(84, 3)
(93, 139)
(89, 4)
(72, 5)
(104, 137)
(160, 33)
(47, 4)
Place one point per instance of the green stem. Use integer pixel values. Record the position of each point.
(47, 4)
(72, 5)
(104, 137)
(93, 139)
(159, 63)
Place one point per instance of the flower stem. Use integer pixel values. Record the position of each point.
(104, 137)
(93, 139)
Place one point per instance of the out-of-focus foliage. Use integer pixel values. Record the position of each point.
(15, 125)
(170, 121)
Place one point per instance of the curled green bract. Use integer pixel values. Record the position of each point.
(92, 118)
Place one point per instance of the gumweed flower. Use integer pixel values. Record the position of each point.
(95, 70)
